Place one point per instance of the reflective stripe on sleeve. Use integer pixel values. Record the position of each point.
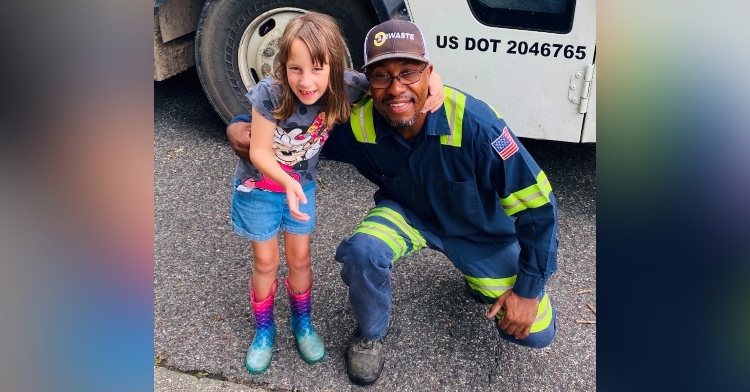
(531, 197)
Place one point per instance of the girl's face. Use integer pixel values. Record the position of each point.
(309, 81)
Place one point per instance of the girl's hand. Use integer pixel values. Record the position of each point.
(436, 94)
(295, 195)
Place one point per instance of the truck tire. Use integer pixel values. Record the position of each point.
(236, 43)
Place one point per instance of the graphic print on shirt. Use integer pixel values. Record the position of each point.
(294, 146)
(291, 148)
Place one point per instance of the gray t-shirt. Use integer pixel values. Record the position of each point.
(298, 139)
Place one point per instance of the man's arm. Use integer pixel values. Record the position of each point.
(239, 131)
(525, 193)
(535, 229)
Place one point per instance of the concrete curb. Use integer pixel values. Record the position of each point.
(166, 380)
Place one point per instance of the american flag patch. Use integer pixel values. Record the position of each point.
(505, 145)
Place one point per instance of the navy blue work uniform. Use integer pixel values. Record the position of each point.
(465, 187)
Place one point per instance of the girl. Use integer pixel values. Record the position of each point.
(292, 114)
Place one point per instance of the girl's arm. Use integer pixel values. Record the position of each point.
(263, 157)
(436, 94)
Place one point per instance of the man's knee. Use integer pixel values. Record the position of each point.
(363, 254)
(363, 249)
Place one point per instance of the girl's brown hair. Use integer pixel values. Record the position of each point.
(323, 38)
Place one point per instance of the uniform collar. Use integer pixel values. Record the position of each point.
(436, 124)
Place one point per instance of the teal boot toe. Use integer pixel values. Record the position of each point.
(310, 347)
(258, 358)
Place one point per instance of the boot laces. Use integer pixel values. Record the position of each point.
(368, 344)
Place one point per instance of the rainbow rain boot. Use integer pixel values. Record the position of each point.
(259, 353)
(309, 344)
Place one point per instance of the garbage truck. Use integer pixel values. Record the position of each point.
(533, 61)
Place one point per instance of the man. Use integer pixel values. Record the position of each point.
(457, 181)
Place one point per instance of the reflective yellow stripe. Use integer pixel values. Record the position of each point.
(494, 288)
(496, 112)
(394, 217)
(385, 233)
(531, 197)
(489, 287)
(361, 121)
(543, 315)
(455, 104)
(493, 109)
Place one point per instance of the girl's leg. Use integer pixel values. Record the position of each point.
(297, 249)
(256, 215)
(265, 264)
(297, 242)
(262, 290)
(299, 287)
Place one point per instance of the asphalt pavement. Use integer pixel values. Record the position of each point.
(439, 339)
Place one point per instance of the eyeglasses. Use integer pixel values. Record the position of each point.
(405, 78)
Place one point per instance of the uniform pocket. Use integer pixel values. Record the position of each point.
(390, 184)
(460, 197)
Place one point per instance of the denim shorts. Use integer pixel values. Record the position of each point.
(258, 215)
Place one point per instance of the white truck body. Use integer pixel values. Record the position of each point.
(533, 61)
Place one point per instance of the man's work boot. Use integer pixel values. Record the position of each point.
(364, 360)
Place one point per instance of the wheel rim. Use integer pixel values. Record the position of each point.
(259, 45)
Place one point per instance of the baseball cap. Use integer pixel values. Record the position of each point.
(395, 38)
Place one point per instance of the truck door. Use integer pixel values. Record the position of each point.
(530, 60)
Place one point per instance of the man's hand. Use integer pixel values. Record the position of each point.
(436, 94)
(519, 313)
(239, 138)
